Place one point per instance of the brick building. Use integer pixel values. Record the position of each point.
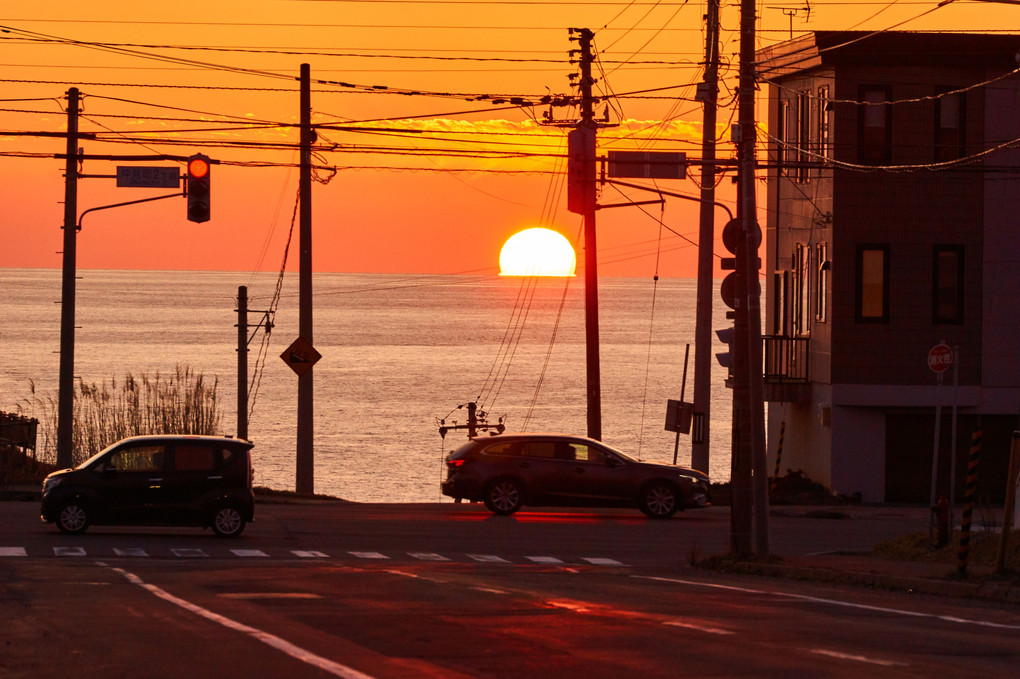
(893, 224)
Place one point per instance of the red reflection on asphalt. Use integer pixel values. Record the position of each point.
(548, 517)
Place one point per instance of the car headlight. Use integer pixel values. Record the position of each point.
(50, 484)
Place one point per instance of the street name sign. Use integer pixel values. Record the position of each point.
(148, 177)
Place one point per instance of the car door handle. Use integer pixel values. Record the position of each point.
(158, 480)
(216, 478)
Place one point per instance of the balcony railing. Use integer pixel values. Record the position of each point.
(786, 359)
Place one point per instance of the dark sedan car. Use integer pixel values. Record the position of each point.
(512, 470)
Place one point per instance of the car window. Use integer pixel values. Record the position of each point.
(589, 453)
(504, 449)
(138, 459)
(193, 458)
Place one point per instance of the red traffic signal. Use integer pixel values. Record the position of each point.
(199, 171)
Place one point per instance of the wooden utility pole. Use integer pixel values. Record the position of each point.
(305, 482)
(65, 396)
(708, 93)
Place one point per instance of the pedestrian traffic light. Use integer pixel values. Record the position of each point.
(199, 167)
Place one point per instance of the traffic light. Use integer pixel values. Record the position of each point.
(199, 171)
(725, 358)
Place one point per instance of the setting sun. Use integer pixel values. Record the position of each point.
(537, 252)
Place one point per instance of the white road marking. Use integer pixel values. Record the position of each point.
(543, 559)
(305, 656)
(427, 556)
(13, 551)
(129, 551)
(189, 553)
(487, 558)
(598, 561)
(858, 658)
(309, 554)
(831, 602)
(69, 551)
(249, 553)
(368, 555)
(698, 627)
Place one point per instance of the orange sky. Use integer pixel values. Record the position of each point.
(398, 202)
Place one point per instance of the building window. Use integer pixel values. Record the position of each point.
(804, 137)
(801, 289)
(874, 129)
(950, 130)
(872, 283)
(947, 284)
(822, 289)
(824, 113)
(779, 303)
(782, 136)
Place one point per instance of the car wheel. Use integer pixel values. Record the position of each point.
(73, 518)
(227, 521)
(659, 500)
(504, 496)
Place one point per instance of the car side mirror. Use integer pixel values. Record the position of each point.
(109, 470)
(612, 461)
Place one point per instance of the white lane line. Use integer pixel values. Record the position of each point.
(305, 656)
(698, 627)
(858, 658)
(309, 554)
(487, 558)
(129, 551)
(13, 551)
(831, 602)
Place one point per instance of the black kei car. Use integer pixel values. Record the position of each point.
(170, 480)
(511, 470)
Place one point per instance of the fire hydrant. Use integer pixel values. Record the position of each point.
(941, 511)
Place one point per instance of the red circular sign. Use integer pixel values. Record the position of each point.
(940, 357)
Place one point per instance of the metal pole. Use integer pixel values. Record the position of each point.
(591, 276)
(242, 362)
(952, 444)
(305, 482)
(65, 396)
(706, 239)
(935, 454)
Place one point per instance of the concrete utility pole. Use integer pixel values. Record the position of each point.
(753, 436)
(242, 362)
(585, 132)
(65, 396)
(708, 93)
(305, 481)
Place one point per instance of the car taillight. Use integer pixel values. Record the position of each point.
(456, 463)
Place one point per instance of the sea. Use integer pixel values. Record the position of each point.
(401, 356)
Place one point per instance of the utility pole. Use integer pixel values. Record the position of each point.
(749, 313)
(242, 362)
(305, 482)
(65, 396)
(708, 93)
(584, 134)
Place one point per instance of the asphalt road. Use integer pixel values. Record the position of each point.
(450, 591)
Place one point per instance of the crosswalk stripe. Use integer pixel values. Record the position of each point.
(13, 551)
(189, 553)
(69, 551)
(487, 558)
(368, 555)
(129, 551)
(543, 559)
(309, 554)
(599, 561)
(248, 553)
(427, 556)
